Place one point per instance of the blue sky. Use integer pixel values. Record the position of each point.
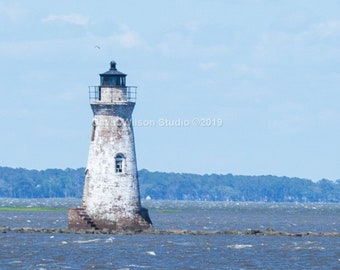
(269, 71)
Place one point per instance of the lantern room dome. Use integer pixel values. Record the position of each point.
(112, 77)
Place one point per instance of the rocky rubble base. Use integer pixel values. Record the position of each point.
(268, 231)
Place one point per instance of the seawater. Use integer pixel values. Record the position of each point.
(148, 251)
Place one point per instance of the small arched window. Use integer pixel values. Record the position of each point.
(93, 130)
(119, 163)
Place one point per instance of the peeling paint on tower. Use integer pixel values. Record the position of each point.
(111, 198)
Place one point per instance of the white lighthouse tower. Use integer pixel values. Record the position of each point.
(111, 197)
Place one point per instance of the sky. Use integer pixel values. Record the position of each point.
(247, 87)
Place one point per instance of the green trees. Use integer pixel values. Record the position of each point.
(53, 183)
(177, 186)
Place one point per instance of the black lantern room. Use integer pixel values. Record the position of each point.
(113, 77)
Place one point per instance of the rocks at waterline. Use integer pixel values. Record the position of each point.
(6, 229)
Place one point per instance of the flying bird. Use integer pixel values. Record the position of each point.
(98, 47)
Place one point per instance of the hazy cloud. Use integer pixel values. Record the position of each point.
(73, 18)
(247, 69)
(329, 28)
(11, 11)
(185, 45)
(207, 65)
(127, 37)
(193, 26)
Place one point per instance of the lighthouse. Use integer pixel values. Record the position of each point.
(111, 198)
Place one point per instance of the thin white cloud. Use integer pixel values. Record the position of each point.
(175, 43)
(185, 45)
(329, 28)
(299, 47)
(73, 18)
(193, 26)
(207, 65)
(16, 113)
(127, 37)
(247, 69)
(11, 11)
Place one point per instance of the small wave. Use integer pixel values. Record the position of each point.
(239, 246)
(16, 262)
(152, 253)
(86, 241)
(134, 266)
(109, 240)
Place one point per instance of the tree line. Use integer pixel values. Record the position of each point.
(59, 183)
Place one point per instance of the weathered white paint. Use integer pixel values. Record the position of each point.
(112, 199)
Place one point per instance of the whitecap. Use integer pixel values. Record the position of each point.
(15, 262)
(135, 266)
(239, 246)
(86, 241)
(109, 240)
(152, 253)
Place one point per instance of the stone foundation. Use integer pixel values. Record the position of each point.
(78, 219)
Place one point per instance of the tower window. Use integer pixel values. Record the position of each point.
(93, 130)
(119, 163)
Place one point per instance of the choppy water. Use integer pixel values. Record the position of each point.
(147, 251)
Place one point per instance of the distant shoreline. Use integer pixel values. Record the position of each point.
(58, 183)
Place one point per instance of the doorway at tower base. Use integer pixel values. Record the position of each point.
(78, 219)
